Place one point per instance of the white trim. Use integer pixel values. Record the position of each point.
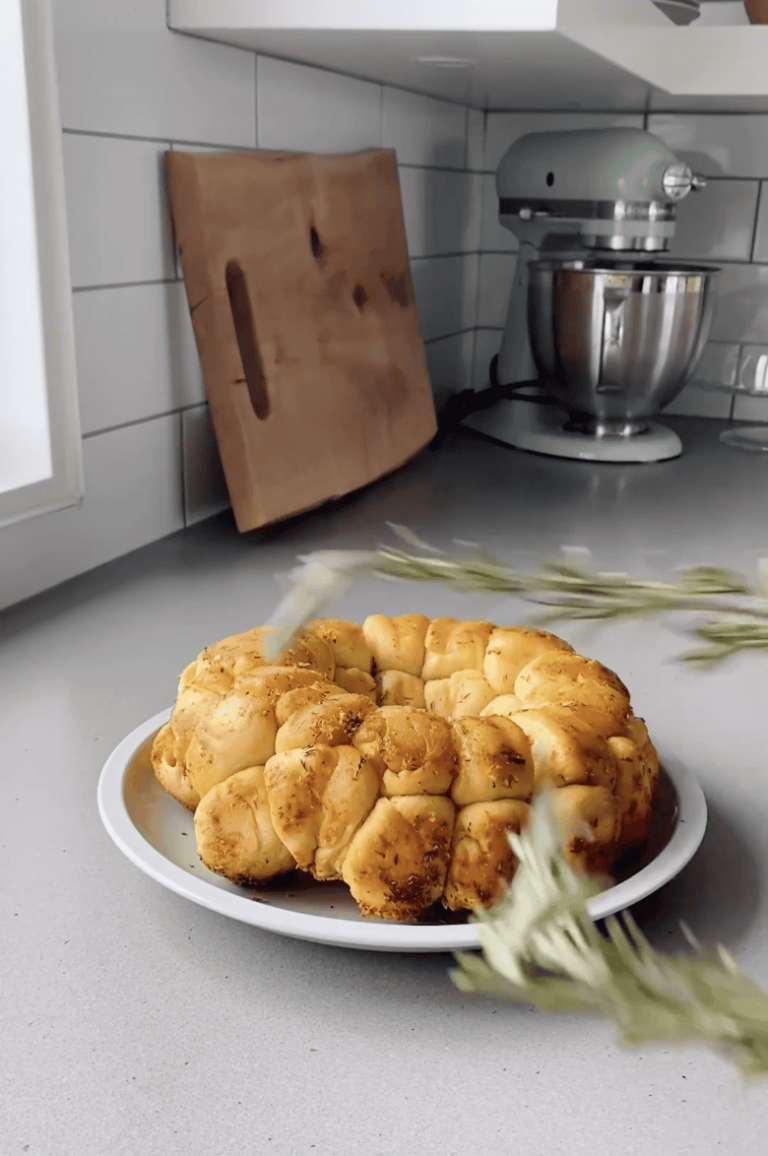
(65, 485)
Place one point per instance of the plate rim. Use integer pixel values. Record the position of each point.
(364, 935)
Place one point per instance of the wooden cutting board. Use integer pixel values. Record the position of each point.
(297, 278)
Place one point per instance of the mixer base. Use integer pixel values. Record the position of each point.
(539, 429)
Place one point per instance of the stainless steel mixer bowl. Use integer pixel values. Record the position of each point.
(616, 341)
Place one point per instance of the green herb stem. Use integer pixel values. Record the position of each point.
(730, 616)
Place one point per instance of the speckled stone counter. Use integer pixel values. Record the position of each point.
(136, 1022)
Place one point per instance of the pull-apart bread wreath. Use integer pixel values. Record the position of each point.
(398, 755)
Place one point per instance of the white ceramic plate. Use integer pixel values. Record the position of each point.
(157, 834)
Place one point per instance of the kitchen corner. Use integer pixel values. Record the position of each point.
(124, 1002)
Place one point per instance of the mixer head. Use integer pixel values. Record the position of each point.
(617, 188)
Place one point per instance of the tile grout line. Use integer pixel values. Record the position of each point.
(178, 280)
(441, 169)
(139, 421)
(256, 99)
(449, 336)
(125, 285)
(466, 138)
(353, 76)
(99, 134)
(756, 223)
(183, 470)
(472, 358)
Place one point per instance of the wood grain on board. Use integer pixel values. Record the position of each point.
(297, 278)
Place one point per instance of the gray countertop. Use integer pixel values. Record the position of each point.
(136, 1022)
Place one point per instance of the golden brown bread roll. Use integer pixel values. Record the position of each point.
(309, 652)
(332, 722)
(192, 704)
(187, 676)
(412, 750)
(215, 667)
(634, 791)
(356, 681)
(590, 815)
(318, 797)
(346, 641)
(169, 767)
(239, 729)
(451, 646)
(505, 705)
(590, 687)
(220, 665)
(495, 761)
(396, 688)
(510, 649)
(234, 831)
(272, 682)
(396, 863)
(300, 697)
(565, 750)
(482, 863)
(638, 732)
(397, 643)
(170, 746)
(465, 693)
(238, 732)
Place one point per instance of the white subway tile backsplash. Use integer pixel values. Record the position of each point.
(117, 210)
(446, 291)
(494, 237)
(497, 271)
(753, 369)
(750, 409)
(503, 128)
(424, 131)
(717, 222)
(132, 497)
(718, 364)
(716, 145)
(760, 249)
(442, 209)
(120, 70)
(475, 139)
(693, 401)
(136, 355)
(205, 488)
(303, 109)
(741, 311)
(474, 213)
(471, 288)
(450, 365)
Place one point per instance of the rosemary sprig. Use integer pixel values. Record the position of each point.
(540, 946)
(730, 616)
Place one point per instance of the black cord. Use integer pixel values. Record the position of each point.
(460, 405)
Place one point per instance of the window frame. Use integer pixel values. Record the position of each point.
(65, 486)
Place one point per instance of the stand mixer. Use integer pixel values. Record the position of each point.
(594, 348)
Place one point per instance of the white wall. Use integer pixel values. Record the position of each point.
(130, 89)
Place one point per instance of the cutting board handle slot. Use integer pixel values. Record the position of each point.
(245, 331)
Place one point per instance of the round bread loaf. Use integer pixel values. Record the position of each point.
(401, 754)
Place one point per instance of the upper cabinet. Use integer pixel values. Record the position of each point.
(500, 54)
